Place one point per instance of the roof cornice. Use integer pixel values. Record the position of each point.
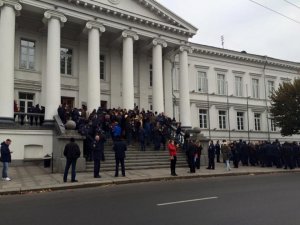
(251, 58)
(175, 27)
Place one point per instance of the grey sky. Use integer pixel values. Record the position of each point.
(244, 24)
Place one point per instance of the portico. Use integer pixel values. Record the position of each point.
(93, 37)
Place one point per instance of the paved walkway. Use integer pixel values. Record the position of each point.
(36, 178)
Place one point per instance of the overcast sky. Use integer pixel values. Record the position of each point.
(244, 24)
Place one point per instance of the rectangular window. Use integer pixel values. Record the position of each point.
(240, 120)
(27, 54)
(66, 55)
(270, 87)
(26, 101)
(176, 80)
(238, 87)
(150, 75)
(257, 125)
(221, 84)
(203, 118)
(102, 67)
(273, 125)
(255, 88)
(222, 119)
(202, 82)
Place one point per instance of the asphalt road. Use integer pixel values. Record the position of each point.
(244, 200)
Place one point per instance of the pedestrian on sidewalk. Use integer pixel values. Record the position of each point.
(218, 151)
(72, 153)
(98, 153)
(226, 152)
(5, 158)
(119, 148)
(191, 153)
(211, 156)
(173, 156)
(198, 154)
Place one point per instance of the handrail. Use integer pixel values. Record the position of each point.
(59, 126)
(179, 139)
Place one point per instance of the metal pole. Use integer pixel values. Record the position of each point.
(266, 100)
(208, 115)
(172, 82)
(228, 111)
(248, 113)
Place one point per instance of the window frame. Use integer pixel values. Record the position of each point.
(221, 83)
(27, 67)
(203, 118)
(238, 86)
(240, 119)
(222, 120)
(257, 121)
(66, 57)
(202, 82)
(255, 88)
(103, 63)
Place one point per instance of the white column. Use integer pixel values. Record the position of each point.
(184, 92)
(168, 98)
(7, 58)
(54, 20)
(94, 92)
(127, 70)
(157, 85)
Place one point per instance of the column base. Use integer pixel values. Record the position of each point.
(48, 123)
(7, 120)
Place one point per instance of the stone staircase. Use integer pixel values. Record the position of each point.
(136, 159)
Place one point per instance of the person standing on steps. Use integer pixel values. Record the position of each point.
(173, 156)
(98, 153)
(119, 148)
(72, 153)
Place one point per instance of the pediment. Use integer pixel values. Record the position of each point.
(149, 12)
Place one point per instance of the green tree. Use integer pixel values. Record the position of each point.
(286, 109)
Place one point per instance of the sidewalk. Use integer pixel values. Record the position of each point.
(38, 179)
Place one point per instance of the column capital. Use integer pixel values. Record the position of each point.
(186, 48)
(130, 34)
(52, 14)
(95, 25)
(159, 41)
(11, 3)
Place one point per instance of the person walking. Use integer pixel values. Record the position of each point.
(226, 152)
(173, 156)
(98, 153)
(72, 153)
(5, 158)
(119, 148)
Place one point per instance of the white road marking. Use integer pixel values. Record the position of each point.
(186, 201)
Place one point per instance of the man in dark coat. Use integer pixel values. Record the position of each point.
(72, 153)
(191, 152)
(218, 151)
(119, 148)
(211, 156)
(98, 153)
(5, 158)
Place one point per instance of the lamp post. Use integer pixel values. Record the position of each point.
(248, 113)
(208, 115)
(228, 116)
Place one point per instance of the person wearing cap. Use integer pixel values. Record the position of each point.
(72, 153)
(5, 158)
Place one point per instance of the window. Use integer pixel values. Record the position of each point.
(150, 75)
(25, 101)
(66, 55)
(240, 120)
(238, 87)
(203, 118)
(202, 82)
(270, 87)
(222, 119)
(221, 84)
(102, 67)
(255, 88)
(27, 56)
(257, 126)
(273, 125)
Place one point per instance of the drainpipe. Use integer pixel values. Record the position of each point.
(266, 97)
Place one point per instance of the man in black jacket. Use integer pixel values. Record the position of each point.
(72, 153)
(119, 148)
(5, 158)
(98, 153)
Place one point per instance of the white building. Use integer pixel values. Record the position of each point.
(121, 53)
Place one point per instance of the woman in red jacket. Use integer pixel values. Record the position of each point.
(173, 156)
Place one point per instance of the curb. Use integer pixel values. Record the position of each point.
(61, 187)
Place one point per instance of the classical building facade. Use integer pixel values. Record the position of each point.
(126, 53)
